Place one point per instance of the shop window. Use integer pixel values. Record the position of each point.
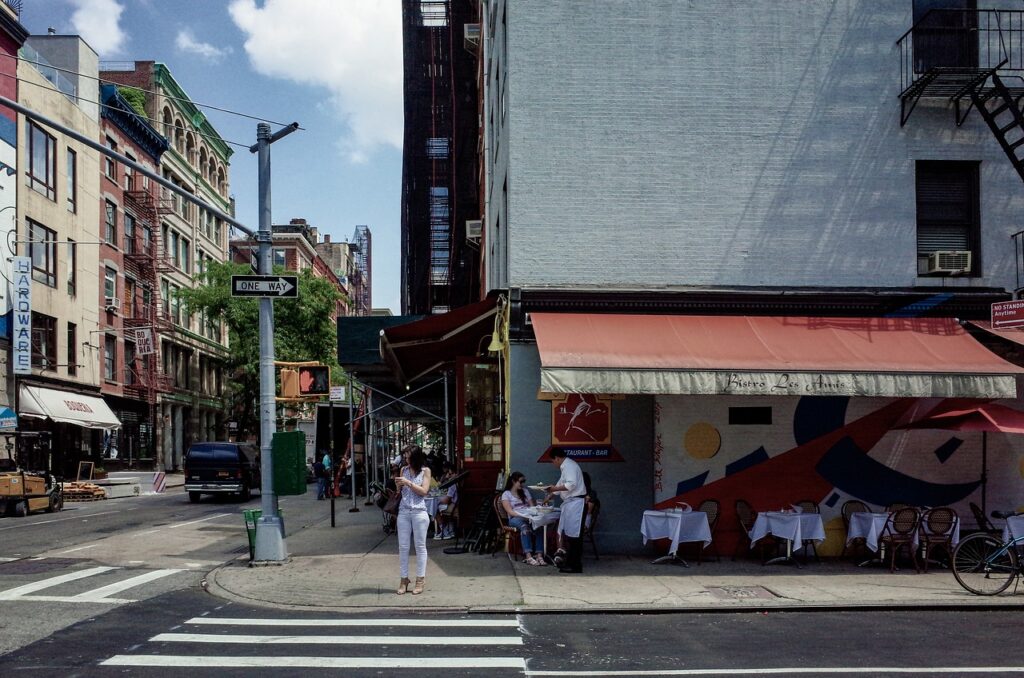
(481, 412)
(750, 416)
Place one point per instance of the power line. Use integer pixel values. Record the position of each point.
(134, 112)
(149, 91)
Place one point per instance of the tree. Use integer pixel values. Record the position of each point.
(304, 329)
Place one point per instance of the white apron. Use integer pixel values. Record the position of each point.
(571, 520)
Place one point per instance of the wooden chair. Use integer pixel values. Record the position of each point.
(507, 534)
(937, 532)
(593, 511)
(849, 508)
(809, 506)
(984, 524)
(900, 530)
(746, 516)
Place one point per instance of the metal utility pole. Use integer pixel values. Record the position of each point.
(270, 546)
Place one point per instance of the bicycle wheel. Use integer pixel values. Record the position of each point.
(981, 565)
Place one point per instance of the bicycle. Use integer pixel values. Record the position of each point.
(985, 564)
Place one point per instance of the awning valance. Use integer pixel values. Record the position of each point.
(745, 355)
(65, 407)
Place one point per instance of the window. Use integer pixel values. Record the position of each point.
(129, 175)
(109, 357)
(109, 283)
(72, 177)
(176, 248)
(147, 239)
(42, 248)
(44, 341)
(72, 277)
(42, 161)
(186, 255)
(948, 213)
(72, 349)
(129, 297)
(147, 297)
(165, 300)
(109, 164)
(217, 230)
(943, 38)
(279, 258)
(129, 363)
(110, 224)
(175, 305)
(129, 234)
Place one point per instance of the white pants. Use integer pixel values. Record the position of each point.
(413, 524)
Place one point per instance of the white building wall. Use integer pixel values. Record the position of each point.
(661, 143)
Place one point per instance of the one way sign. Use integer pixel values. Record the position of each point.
(279, 286)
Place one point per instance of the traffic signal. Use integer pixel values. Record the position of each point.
(289, 384)
(314, 380)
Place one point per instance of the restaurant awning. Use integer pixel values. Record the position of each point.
(747, 355)
(415, 349)
(1014, 334)
(65, 407)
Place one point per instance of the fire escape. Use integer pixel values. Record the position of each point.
(144, 260)
(363, 279)
(972, 58)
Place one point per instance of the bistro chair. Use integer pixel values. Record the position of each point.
(809, 506)
(746, 516)
(892, 508)
(593, 511)
(984, 524)
(937, 532)
(849, 508)
(900, 530)
(507, 534)
(713, 509)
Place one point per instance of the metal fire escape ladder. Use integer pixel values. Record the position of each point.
(1000, 108)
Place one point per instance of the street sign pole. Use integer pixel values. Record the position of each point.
(270, 545)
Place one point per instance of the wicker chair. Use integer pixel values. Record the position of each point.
(900, 530)
(937, 532)
(809, 506)
(593, 511)
(507, 534)
(746, 516)
(849, 508)
(713, 509)
(892, 508)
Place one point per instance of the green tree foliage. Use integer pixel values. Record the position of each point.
(135, 97)
(304, 329)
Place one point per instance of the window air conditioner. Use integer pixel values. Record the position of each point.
(471, 36)
(950, 261)
(112, 303)
(474, 228)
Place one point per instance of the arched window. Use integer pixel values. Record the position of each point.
(179, 136)
(168, 121)
(204, 167)
(190, 148)
(222, 186)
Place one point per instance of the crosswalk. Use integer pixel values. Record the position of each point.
(470, 644)
(67, 590)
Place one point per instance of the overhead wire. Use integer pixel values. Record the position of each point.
(149, 91)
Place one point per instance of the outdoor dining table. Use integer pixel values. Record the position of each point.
(869, 527)
(1014, 524)
(431, 502)
(677, 525)
(790, 526)
(541, 519)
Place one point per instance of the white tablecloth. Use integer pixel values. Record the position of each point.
(1016, 524)
(431, 501)
(540, 518)
(679, 527)
(793, 526)
(867, 526)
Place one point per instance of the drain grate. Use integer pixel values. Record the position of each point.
(740, 592)
(29, 566)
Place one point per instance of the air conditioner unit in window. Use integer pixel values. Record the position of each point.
(471, 36)
(112, 304)
(474, 227)
(949, 261)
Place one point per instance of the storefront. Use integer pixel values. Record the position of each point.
(768, 409)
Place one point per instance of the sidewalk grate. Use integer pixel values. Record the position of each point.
(740, 592)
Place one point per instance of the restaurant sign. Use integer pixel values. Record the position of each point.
(21, 321)
(581, 424)
(1007, 314)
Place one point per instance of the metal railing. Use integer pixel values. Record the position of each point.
(45, 69)
(961, 40)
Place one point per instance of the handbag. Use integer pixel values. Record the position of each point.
(393, 502)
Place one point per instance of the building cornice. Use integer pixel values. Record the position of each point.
(183, 102)
(119, 112)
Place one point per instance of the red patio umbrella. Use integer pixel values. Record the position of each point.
(985, 418)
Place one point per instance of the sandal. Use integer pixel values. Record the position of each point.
(418, 589)
(403, 587)
(541, 562)
(530, 561)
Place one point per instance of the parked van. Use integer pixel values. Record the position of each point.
(220, 468)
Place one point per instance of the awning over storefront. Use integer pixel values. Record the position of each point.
(1014, 334)
(418, 348)
(65, 407)
(744, 355)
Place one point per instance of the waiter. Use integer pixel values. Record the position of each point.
(571, 489)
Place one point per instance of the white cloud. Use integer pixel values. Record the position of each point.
(99, 23)
(186, 42)
(353, 49)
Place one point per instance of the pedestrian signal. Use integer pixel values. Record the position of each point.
(314, 380)
(289, 384)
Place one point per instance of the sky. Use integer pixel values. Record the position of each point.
(333, 66)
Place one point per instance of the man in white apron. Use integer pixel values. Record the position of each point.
(572, 490)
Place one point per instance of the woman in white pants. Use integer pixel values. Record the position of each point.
(414, 484)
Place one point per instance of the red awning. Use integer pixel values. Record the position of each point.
(1014, 334)
(991, 417)
(902, 357)
(418, 348)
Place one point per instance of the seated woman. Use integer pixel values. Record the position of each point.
(444, 520)
(514, 499)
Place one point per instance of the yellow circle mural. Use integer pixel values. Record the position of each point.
(702, 440)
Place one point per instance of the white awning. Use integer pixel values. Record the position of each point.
(65, 407)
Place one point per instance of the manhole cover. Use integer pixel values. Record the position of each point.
(36, 566)
(740, 592)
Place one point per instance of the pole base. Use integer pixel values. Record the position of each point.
(270, 544)
(353, 510)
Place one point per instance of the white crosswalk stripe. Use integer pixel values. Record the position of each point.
(98, 595)
(486, 644)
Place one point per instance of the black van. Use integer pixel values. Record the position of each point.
(219, 468)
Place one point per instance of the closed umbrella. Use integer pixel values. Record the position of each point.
(984, 418)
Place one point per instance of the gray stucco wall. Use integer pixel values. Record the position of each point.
(625, 488)
(658, 143)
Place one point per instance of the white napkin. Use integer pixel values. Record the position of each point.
(684, 507)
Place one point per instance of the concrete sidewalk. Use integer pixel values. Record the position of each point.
(354, 567)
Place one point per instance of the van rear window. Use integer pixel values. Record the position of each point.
(227, 453)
